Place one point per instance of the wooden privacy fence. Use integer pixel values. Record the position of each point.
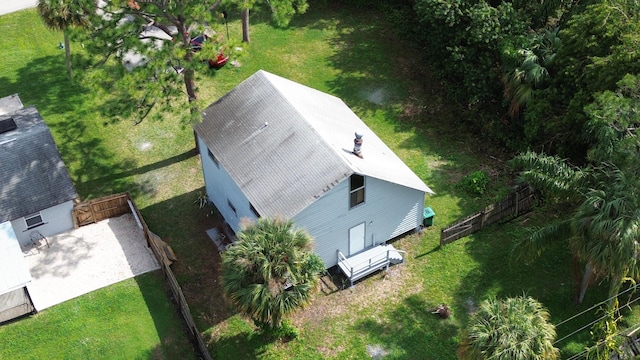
(92, 211)
(115, 205)
(515, 204)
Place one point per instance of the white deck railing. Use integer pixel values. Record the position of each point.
(367, 262)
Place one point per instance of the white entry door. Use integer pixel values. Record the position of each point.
(356, 239)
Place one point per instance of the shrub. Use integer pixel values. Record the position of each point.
(285, 332)
(474, 183)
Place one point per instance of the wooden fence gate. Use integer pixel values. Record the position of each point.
(92, 211)
(517, 203)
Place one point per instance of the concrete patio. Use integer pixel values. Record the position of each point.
(86, 259)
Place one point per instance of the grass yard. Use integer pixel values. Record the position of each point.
(132, 319)
(355, 55)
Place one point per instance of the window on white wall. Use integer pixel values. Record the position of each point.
(33, 220)
(356, 193)
(213, 157)
(233, 208)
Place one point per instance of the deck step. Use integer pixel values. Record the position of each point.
(395, 257)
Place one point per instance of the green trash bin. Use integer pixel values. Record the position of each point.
(427, 217)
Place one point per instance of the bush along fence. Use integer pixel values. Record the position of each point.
(119, 204)
(519, 202)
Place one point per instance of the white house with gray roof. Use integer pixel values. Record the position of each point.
(35, 187)
(272, 147)
(36, 197)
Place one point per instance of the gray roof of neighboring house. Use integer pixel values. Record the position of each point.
(32, 174)
(286, 144)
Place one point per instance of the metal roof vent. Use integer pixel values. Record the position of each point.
(7, 125)
(357, 144)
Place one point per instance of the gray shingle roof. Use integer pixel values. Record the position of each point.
(32, 174)
(286, 144)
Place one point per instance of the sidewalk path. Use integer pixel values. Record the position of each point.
(9, 6)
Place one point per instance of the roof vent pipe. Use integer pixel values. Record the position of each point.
(357, 144)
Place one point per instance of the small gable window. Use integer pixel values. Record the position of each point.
(233, 208)
(254, 211)
(356, 193)
(213, 157)
(33, 220)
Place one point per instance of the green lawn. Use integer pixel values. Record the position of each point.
(355, 55)
(132, 319)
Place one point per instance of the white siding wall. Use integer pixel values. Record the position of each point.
(56, 219)
(221, 190)
(389, 210)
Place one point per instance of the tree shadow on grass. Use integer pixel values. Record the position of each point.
(174, 343)
(243, 345)
(386, 81)
(548, 278)
(120, 180)
(64, 107)
(410, 331)
(198, 265)
(43, 82)
(93, 165)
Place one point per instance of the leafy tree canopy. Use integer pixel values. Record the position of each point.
(147, 56)
(614, 121)
(599, 47)
(528, 69)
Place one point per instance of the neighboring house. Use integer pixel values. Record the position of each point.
(272, 147)
(36, 193)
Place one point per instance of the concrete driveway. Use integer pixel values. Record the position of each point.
(86, 259)
(9, 6)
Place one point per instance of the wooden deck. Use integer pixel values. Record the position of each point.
(369, 261)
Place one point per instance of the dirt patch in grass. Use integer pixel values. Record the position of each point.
(378, 96)
(329, 352)
(381, 289)
(338, 299)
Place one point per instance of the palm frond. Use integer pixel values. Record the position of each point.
(270, 272)
(61, 14)
(508, 329)
(549, 174)
(531, 247)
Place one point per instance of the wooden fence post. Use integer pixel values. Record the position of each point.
(517, 200)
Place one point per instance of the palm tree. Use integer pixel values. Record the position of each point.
(604, 230)
(526, 70)
(607, 225)
(270, 271)
(60, 15)
(246, 6)
(510, 329)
